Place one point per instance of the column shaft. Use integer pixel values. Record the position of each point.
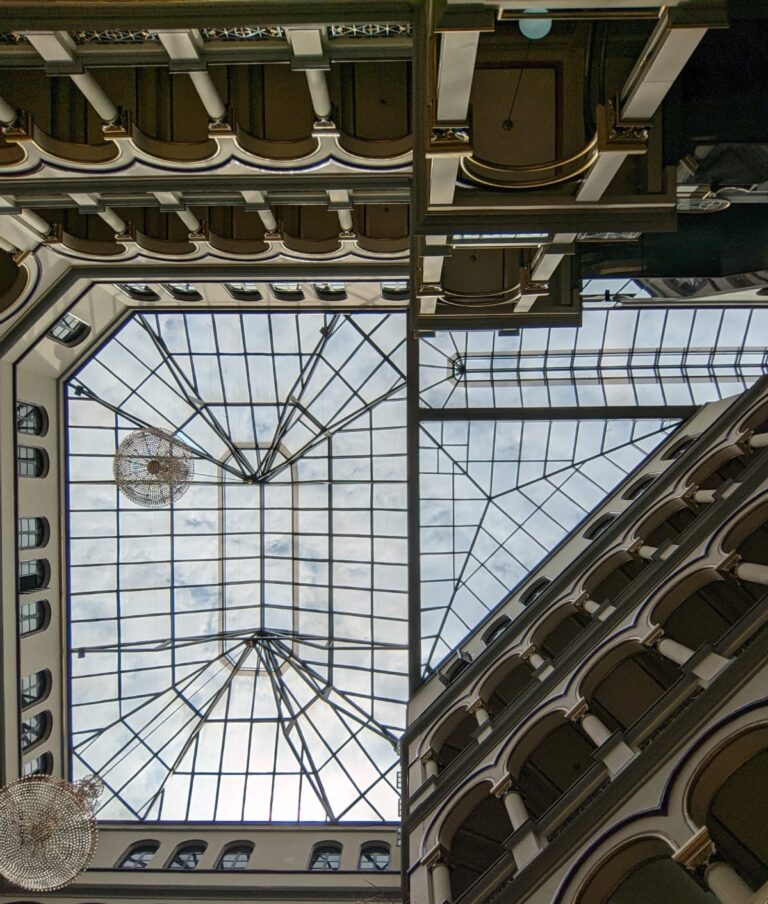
(759, 441)
(214, 106)
(673, 650)
(318, 91)
(96, 96)
(189, 220)
(516, 810)
(441, 883)
(597, 731)
(113, 220)
(755, 574)
(7, 112)
(704, 497)
(35, 221)
(723, 881)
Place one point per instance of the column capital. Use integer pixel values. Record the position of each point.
(475, 705)
(435, 856)
(729, 564)
(529, 651)
(577, 711)
(429, 756)
(695, 853)
(503, 787)
(653, 636)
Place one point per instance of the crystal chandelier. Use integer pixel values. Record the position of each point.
(47, 830)
(153, 469)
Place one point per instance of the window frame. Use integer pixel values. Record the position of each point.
(43, 717)
(143, 846)
(38, 455)
(42, 686)
(40, 532)
(45, 620)
(77, 329)
(185, 848)
(237, 848)
(41, 416)
(322, 849)
(369, 847)
(43, 572)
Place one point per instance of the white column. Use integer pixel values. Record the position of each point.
(441, 882)
(759, 441)
(35, 221)
(96, 96)
(646, 552)
(597, 730)
(184, 47)
(189, 220)
(214, 105)
(534, 658)
(480, 713)
(7, 113)
(726, 884)
(704, 497)
(431, 767)
(318, 91)
(113, 220)
(749, 571)
(674, 651)
(515, 807)
(345, 220)
(259, 201)
(58, 48)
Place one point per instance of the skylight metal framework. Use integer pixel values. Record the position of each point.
(242, 654)
(524, 432)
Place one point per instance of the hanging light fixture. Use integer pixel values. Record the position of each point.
(47, 830)
(536, 28)
(153, 469)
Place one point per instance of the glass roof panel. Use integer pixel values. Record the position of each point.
(241, 654)
(504, 485)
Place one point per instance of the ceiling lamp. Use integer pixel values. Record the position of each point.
(535, 29)
(47, 830)
(153, 469)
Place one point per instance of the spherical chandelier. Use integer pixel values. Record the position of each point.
(153, 469)
(47, 830)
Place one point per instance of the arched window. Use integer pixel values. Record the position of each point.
(30, 419)
(244, 291)
(374, 856)
(187, 856)
(34, 617)
(139, 291)
(35, 687)
(35, 729)
(599, 527)
(452, 673)
(31, 461)
(183, 291)
(677, 450)
(287, 291)
(331, 291)
(639, 487)
(69, 330)
(40, 765)
(496, 630)
(325, 856)
(536, 590)
(139, 856)
(33, 575)
(32, 532)
(235, 856)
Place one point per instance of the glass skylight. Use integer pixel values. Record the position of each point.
(242, 654)
(509, 467)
